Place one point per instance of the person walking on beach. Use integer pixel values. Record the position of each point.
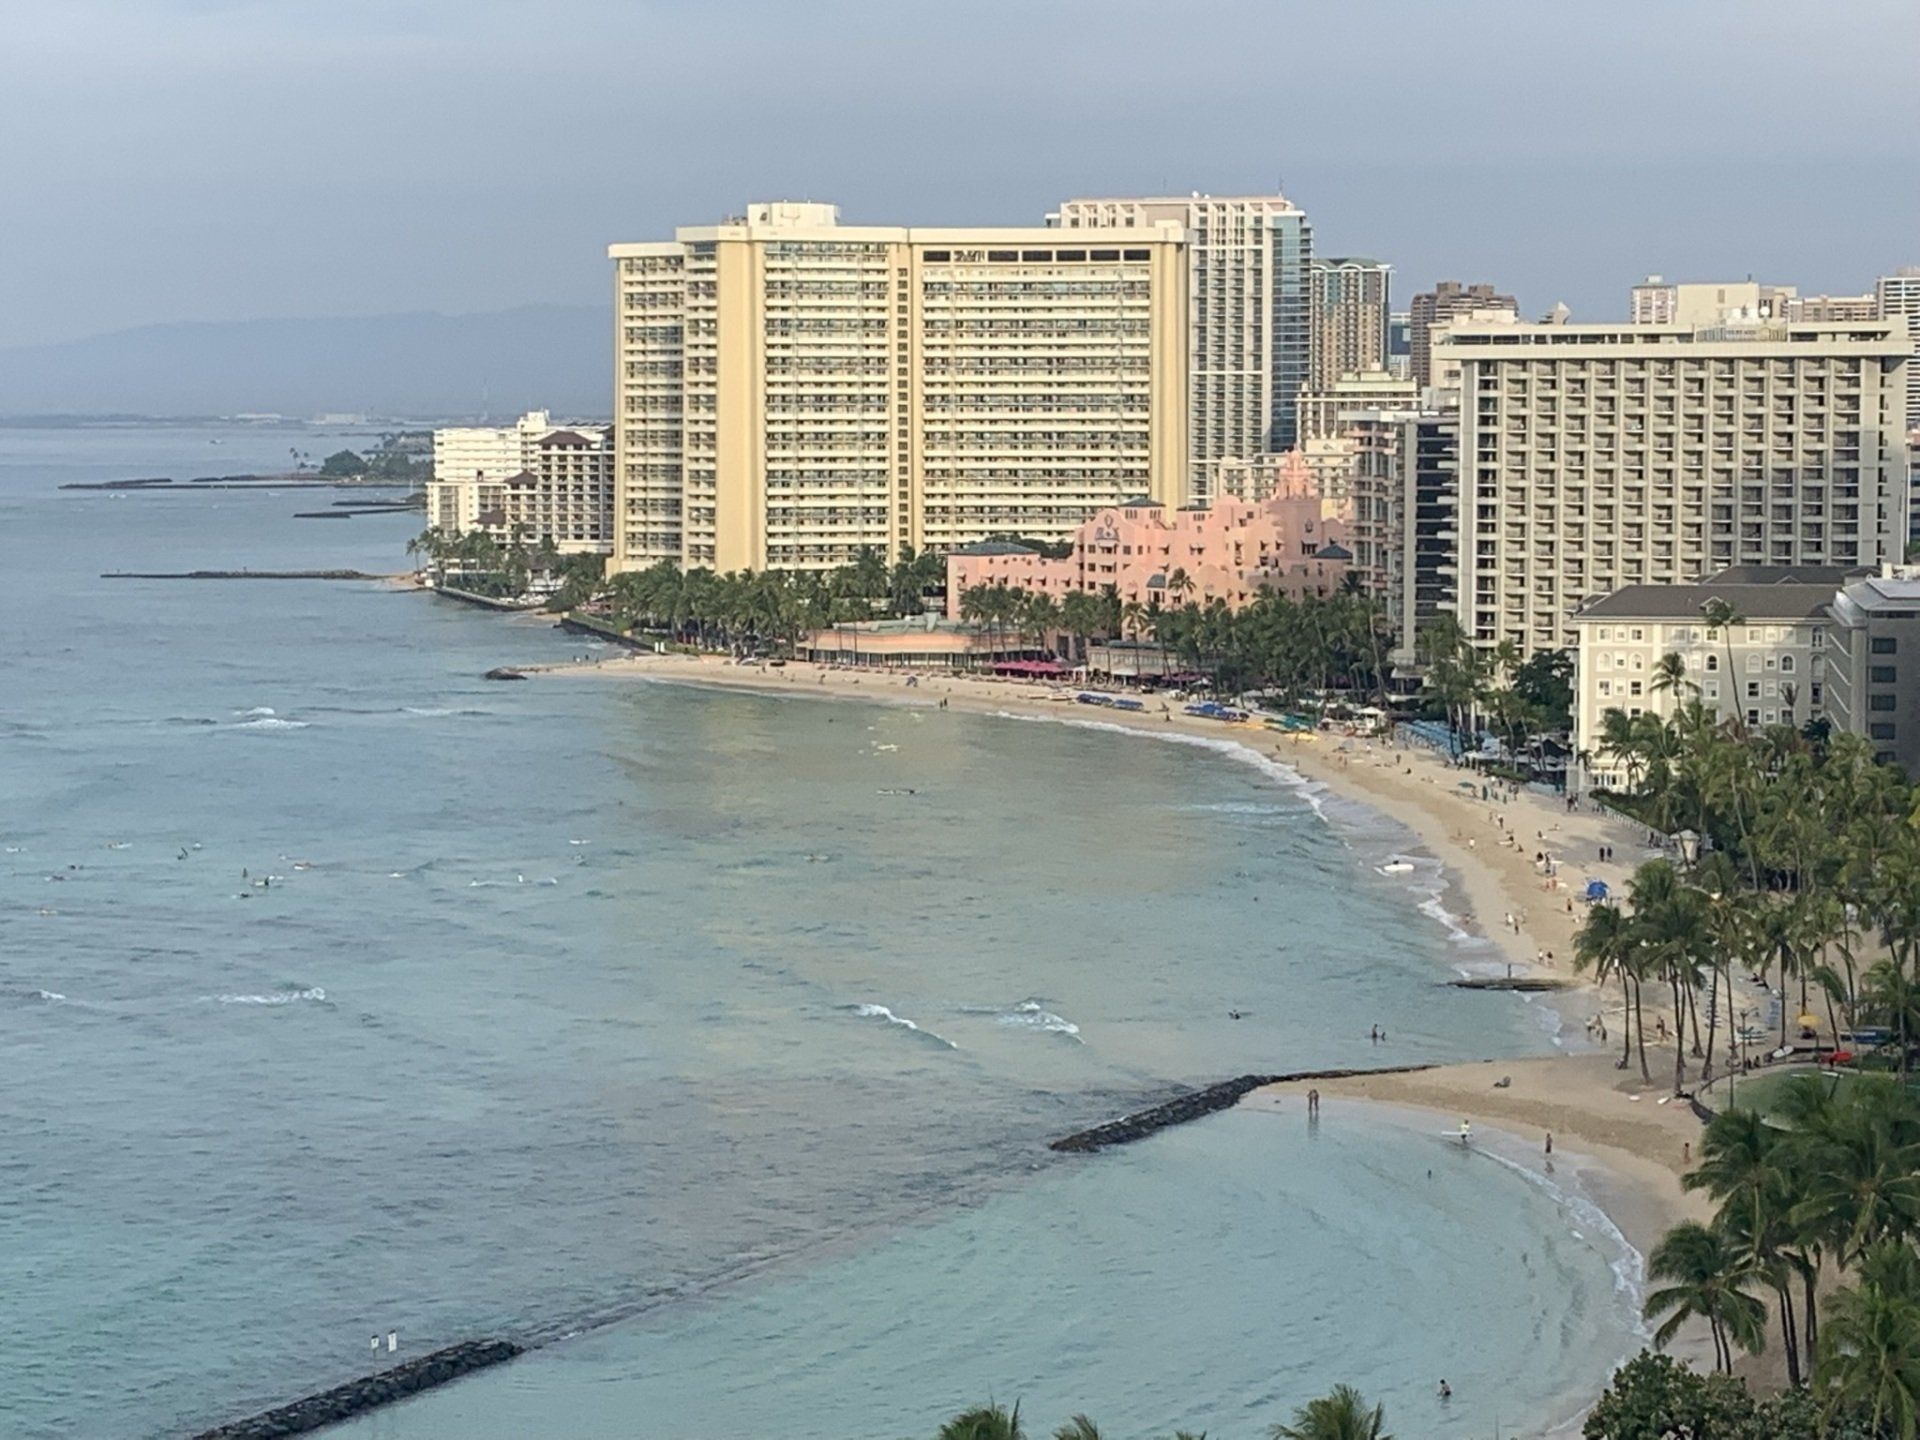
(1549, 1142)
(1313, 1104)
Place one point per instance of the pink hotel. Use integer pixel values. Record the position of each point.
(1234, 551)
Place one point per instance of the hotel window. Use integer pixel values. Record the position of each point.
(1633, 687)
(1880, 730)
(1786, 664)
(1880, 702)
(1713, 663)
(1881, 674)
(1753, 690)
(1753, 717)
(1882, 645)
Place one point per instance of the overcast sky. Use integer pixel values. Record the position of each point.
(227, 159)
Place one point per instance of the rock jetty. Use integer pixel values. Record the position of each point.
(343, 1402)
(1197, 1103)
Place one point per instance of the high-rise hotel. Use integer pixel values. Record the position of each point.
(1597, 456)
(1249, 259)
(791, 390)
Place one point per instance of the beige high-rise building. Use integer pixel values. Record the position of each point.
(1657, 302)
(1322, 407)
(1804, 309)
(1594, 457)
(791, 391)
(1350, 306)
(1446, 302)
(1248, 258)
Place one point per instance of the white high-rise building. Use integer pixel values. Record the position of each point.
(1897, 297)
(1248, 258)
(1594, 457)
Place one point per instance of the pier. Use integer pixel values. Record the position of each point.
(245, 575)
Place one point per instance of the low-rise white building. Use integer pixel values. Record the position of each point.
(1771, 667)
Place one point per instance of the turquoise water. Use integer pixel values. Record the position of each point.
(576, 1000)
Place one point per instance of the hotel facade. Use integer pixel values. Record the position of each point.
(1594, 457)
(527, 482)
(1249, 262)
(1233, 552)
(791, 391)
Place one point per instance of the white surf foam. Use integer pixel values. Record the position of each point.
(277, 997)
(269, 722)
(1034, 1015)
(258, 710)
(1309, 790)
(881, 1012)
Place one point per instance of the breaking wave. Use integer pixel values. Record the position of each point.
(881, 1012)
(1033, 1015)
(277, 997)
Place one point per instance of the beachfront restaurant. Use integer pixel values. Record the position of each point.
(925, 642)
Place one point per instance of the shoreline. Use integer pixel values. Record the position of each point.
(1492, 880)
(1624, 1147)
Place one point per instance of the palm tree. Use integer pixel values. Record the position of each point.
(1343, 1415)
(1860, 1180)
(1707, 1275)
(1078, 1428)
(1605, 944)
(1669, 675)
(984, 1422)
(1869, 1359)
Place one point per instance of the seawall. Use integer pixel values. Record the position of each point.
(343, 1402)
(1196, 1103)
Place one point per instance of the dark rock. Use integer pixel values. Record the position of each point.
(1196, 1103)
(345, 1401)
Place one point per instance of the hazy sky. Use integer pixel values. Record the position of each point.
(226, 159)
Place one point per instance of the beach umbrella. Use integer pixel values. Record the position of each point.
(1596, 889)
(1808, 1022)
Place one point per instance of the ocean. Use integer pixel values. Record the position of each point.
(343, 991)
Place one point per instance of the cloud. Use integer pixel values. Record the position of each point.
(228, 158)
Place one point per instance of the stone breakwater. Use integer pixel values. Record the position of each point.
(1197, 1103)
(343, 1402)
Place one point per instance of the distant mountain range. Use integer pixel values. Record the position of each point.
(503, 362)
